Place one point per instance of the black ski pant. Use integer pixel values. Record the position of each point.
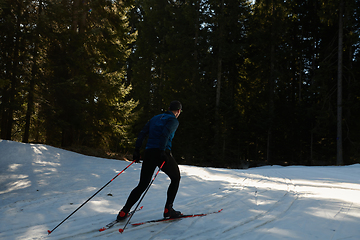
(151, 160)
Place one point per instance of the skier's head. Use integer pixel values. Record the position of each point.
(176, 108)
(175, 105)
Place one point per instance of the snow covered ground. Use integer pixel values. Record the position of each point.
(41, 185)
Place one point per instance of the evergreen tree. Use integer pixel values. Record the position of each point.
(64, 72)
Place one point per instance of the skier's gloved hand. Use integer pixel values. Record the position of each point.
(163, 156)
(136, 155)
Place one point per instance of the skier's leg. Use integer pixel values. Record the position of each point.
(171, 169)
(147, 170)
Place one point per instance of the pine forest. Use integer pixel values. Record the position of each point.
(262, 82)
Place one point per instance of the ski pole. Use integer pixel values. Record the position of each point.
(147, 189)
(50, 231)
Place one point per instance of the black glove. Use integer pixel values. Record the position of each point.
(136, 155)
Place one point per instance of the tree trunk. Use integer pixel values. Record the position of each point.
(271, 91)
(218, 83)
(13, 77)
(30, 105)
(339, 158)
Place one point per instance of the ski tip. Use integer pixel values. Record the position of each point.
(102, 229)
(121, 230)
(49, 231)
(141, 207)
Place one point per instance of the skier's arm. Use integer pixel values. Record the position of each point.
(141, 136)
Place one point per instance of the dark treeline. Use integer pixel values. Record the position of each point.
(269, 82)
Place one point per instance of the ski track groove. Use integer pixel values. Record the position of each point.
(215, 195)
(224, 204)
(291, 190)
(193, 221)
(270, 220)
(197, 220)
(347, 207)
(167, 225)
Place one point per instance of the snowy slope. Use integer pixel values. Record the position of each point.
(41, 185)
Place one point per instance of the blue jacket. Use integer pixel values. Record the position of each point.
(161, 130)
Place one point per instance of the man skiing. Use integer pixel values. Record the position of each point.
(161, 130)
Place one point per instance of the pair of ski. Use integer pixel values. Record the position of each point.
(111, 224)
